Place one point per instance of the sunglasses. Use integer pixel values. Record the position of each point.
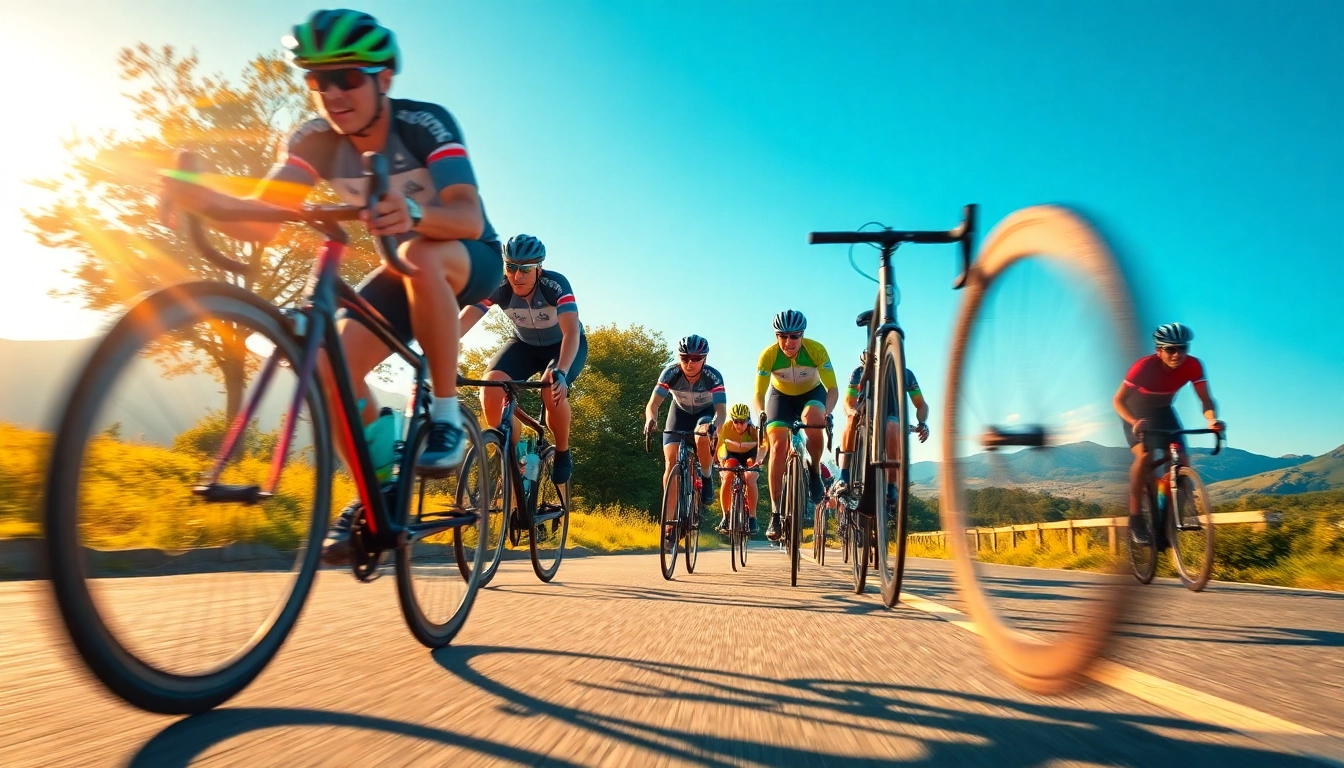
(790, 336)
(1173, 349)
(741, 422)
(521, 269)
(344, 79)
(692, 358)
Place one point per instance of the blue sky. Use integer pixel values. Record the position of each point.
(673, 158)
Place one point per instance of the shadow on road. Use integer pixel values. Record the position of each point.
(185, 741)
(918, 725)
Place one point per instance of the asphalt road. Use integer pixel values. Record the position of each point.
(612, 665)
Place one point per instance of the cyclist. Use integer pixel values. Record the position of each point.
(854, 414)
(1144, 404)
(435, 213)
(546, 329)
(737, 447)
(699, 404)
(794, 382)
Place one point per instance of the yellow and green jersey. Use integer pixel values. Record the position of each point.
(794, 376)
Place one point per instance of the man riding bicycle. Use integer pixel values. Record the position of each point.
(737, 448)
(1144, 404)
(794, 382)
(699, 404)
(854, 415)
(546, 329)
(434, 211)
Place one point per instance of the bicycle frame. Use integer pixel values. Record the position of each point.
(1171, 459)
(511, 410)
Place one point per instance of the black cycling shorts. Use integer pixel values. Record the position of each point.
(1159, 419)
(521, 360)
(386, 291)
(685, 421)
(786, 409)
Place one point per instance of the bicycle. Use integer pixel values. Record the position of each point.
(795, 498)
(991, 414)
(886, 399)
(227, 525)
(541, 503)
(739, 521)
(1184, 522)
(682, 494)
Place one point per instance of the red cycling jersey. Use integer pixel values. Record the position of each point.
(1157, 384)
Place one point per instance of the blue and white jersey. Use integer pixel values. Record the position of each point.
(536, 318)
(705, 392)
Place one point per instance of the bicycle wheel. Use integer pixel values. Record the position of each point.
(819, 534)
(1045, 281)
(1143, 557)
(1191, 530)
(550, 521)
(842, 534)
(796, 497)
(891, 506)
(438, 508)
(858, 538)
(174, 602)
(734, 530)
(691, 533)
(743, 529)
(499, 500)
(669, 535)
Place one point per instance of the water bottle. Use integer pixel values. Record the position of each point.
(381, 436)
(531, 464)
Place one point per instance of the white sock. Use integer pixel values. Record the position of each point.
(446, 409)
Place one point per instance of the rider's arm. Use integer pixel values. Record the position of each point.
(457, 217)
(763, 377)
(827, 374)
(921, 406)
(651, 410)
(1206, 400)
(720, 415)
(569, 343)
(661, 391)
(469, 317)
(1121, 403)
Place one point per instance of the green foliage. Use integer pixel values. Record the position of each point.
(105, 207)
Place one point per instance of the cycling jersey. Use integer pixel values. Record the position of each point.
(424, 151)
(536, 318)
(706, 391)
(1157, 384)
(796, 376)
(729, 431)
(911, 383)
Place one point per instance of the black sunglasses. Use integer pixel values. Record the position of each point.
(1175, 348)
(790, 336)
(520, 268)
(692, 358)
(344, 79)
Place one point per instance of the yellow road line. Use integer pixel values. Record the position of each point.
(1184, 701)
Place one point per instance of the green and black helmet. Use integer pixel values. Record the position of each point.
(342, 36)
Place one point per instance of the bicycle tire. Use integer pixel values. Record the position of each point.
(734, 531)
(1039, 666)
(743, 529)
(668, 540)
(819, 534)
(498, 517)
(890, 524)
(549, 499)
(691, 533)
(797, 495)
(439, 629)
(858, 537)
(116, 666)
(1185, 542)
(1143, 557)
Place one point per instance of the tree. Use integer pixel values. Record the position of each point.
(105, 205)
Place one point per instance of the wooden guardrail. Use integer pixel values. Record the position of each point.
(1259, 518)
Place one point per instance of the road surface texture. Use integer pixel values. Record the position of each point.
(612, 665)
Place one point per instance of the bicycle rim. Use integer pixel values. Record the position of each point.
(1191, 531)
(550, 522)
(499, 501)
(435, 598)
(734, 532)
(669, 535)
(743, 532)
(858, 537)
(175, 603)
(1045, 280)
(891, 508)
(691, 546)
